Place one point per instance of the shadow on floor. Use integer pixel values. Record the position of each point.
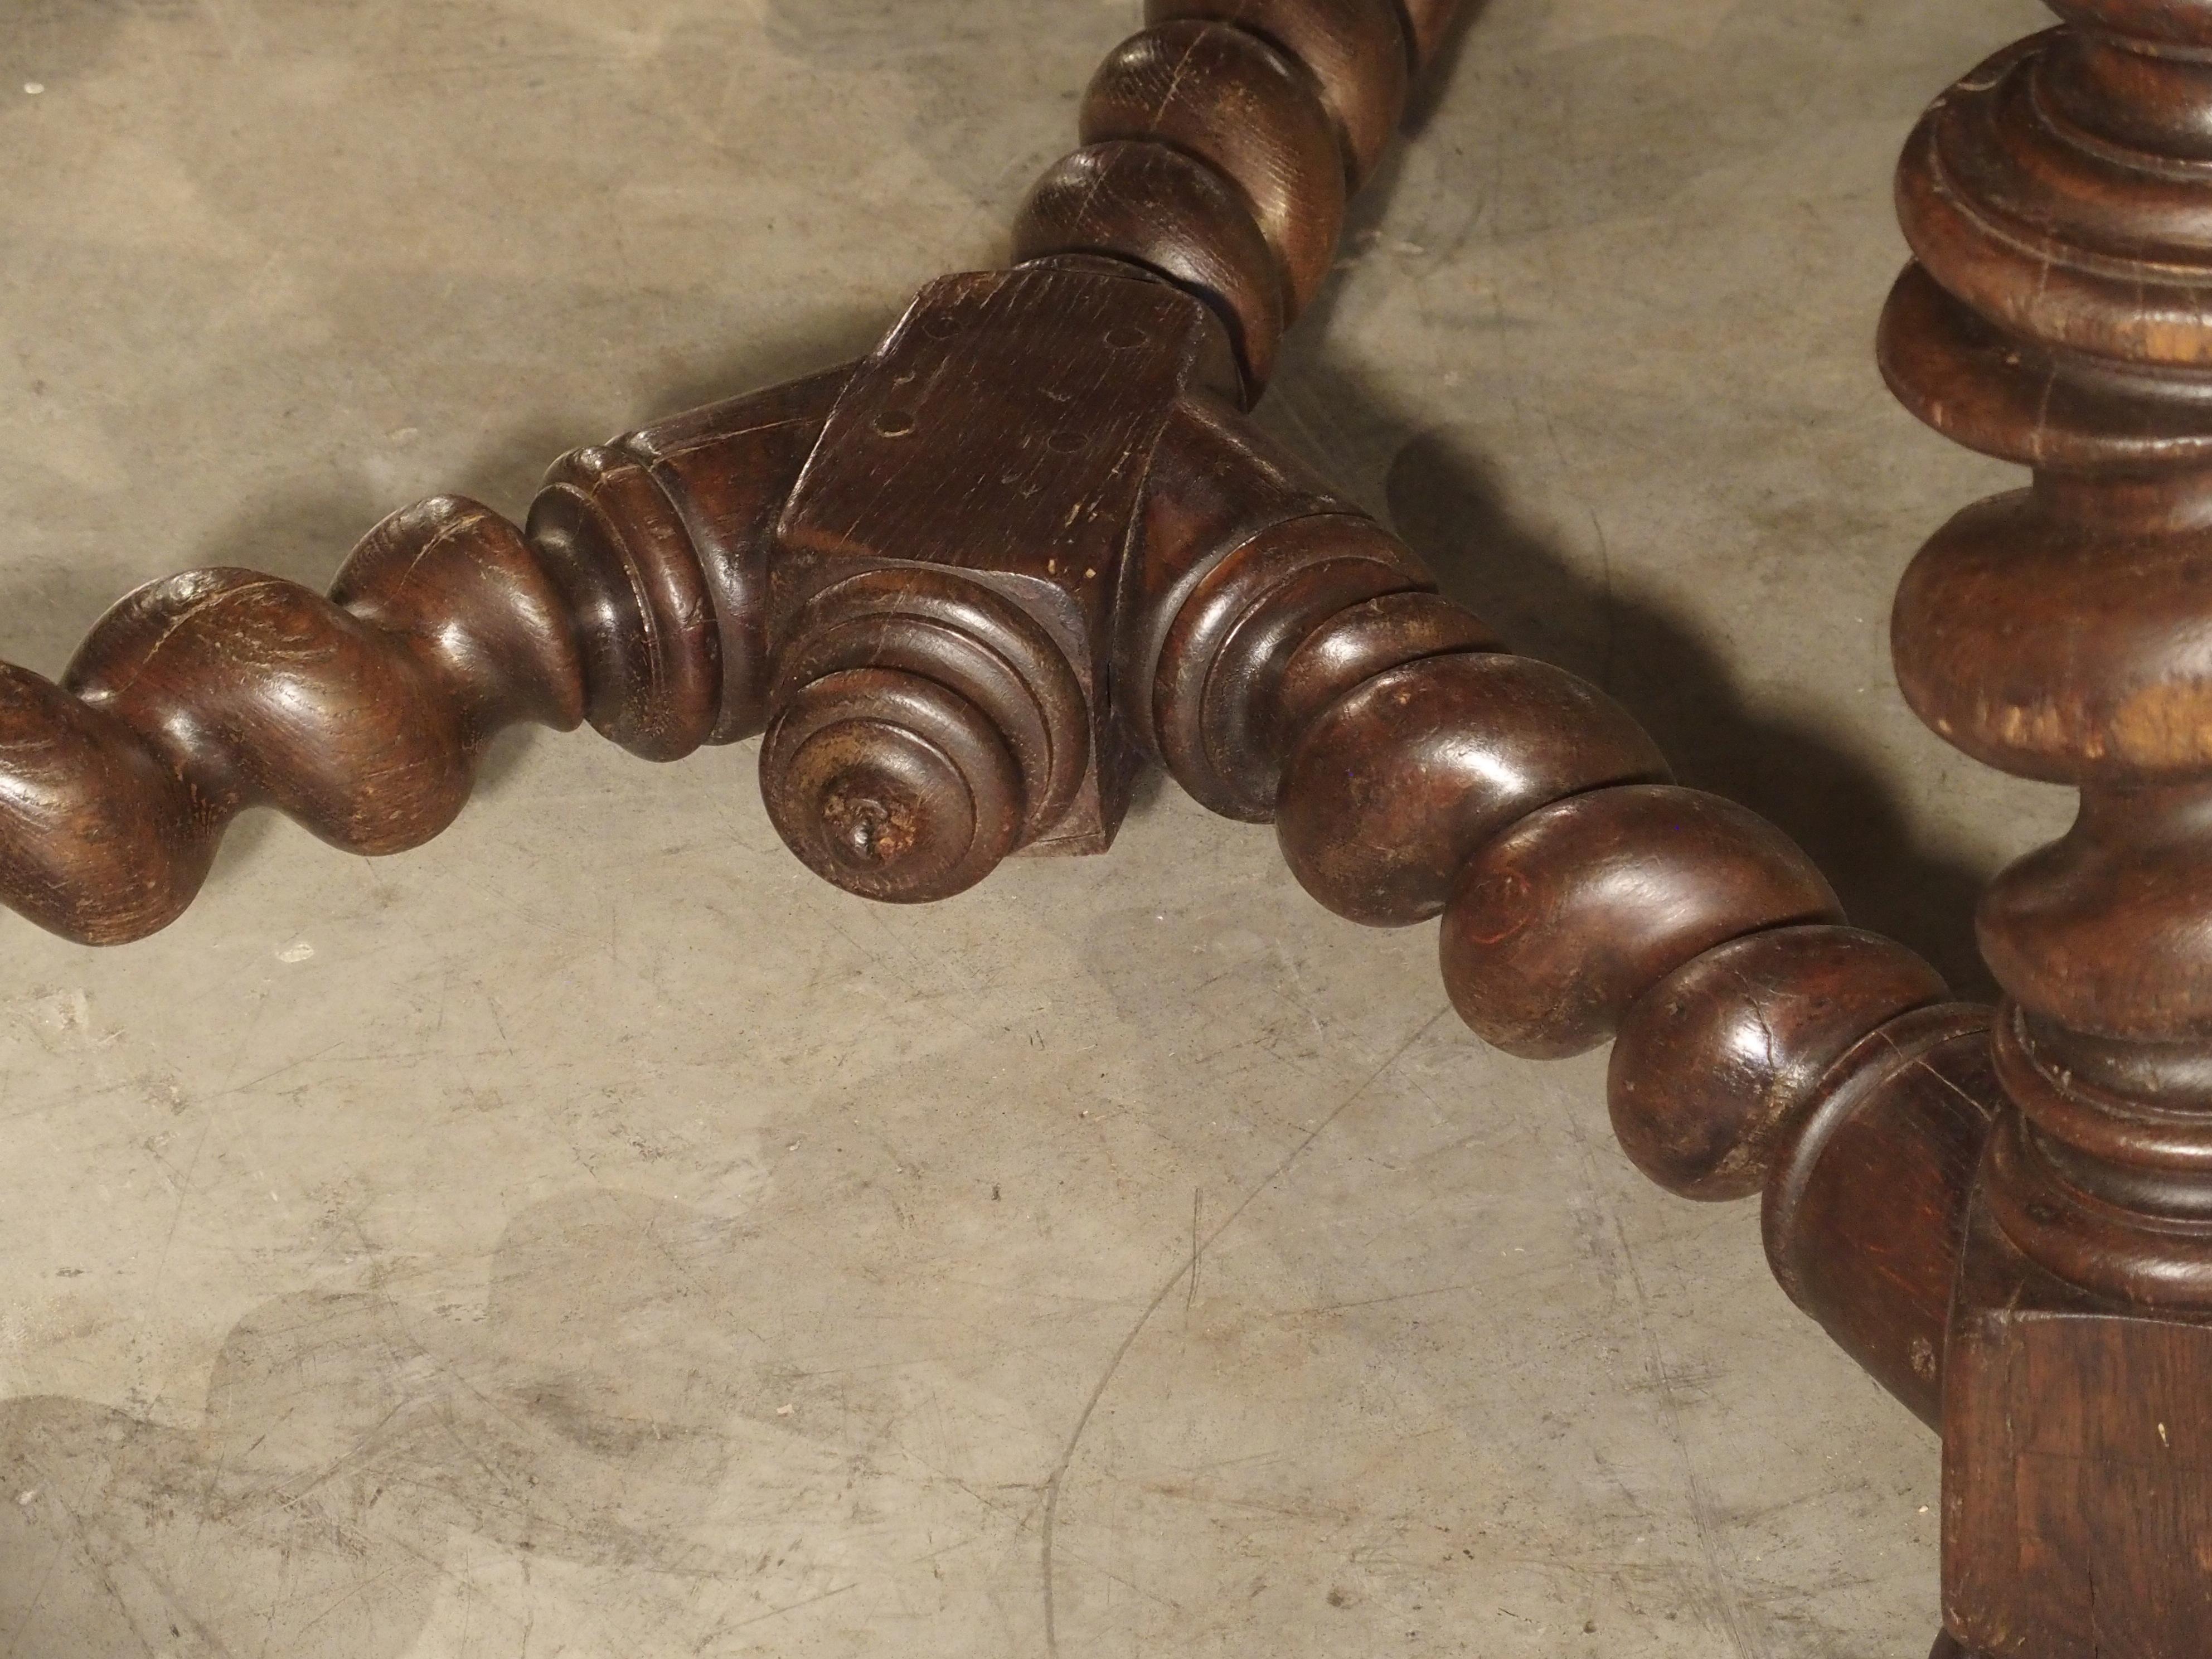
(607, 1392)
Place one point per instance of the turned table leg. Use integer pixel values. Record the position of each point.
(2058, 203)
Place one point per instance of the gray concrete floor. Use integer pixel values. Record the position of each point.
(591, 1236)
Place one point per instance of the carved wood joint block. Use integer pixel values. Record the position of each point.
(947, 593)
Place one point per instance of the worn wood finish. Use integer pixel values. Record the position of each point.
(362, 715)
(1219, 144)
(966, 586)
(664, 590)
(1227, 97)
(1419, 769)
(1393, 785)
(1720, 1057)
(1356, 51)
(1170, 213)
(2057, 204)
(1232, 639)
(1865, 1209)
(1557, 928)
(964, 518)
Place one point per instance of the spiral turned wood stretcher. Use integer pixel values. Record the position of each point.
(965, 588)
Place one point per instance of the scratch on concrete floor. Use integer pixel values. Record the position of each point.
(1058, 1481)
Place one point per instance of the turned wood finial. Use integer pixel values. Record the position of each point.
(925, 728)
(2057, 314)
(965, 586)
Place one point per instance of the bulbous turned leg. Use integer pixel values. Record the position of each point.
(2056, 202)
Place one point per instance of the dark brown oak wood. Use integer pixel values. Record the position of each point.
(1417, 768)
(362, 715)
(1357, 52)
(966, 587)
(2058, 205)
(964, 518)
(1719, 1057)
(1218, 146)
(1167, 212)
(1395, 784)
(666, 590)
(1238, 104)
(1880, 1163)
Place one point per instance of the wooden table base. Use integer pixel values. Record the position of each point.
(2058, 314)
(965, 588)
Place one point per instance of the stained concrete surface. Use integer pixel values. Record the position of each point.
(590, 1235)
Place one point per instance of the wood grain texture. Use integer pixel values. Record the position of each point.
(1419, 768)
(1356, 51)
(1866, 1204)
(1395, 785)
(1216, 690)
(2055, 314)
(891, 784)
(1712, 1069)
(1221, 143)
(2077, 1475)
(1172, 214)
(614, 546)
(930, 712)
(727, 471)
(964, 520)
(1556, 927)
(1235, 103)
(363, 715)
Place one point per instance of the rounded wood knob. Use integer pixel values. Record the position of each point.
(923, 729)
(1557, 926)
(892, 786)
(1391, 788)
(1713, 1064)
